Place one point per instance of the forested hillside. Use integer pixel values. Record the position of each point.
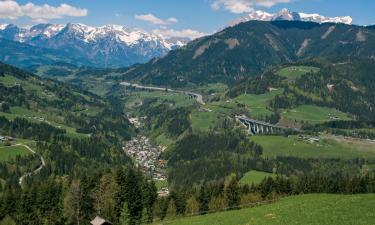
(253, 47)
(74, 138)
(346, 84)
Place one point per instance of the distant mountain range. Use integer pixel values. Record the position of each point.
(106, 46)
(285, 14)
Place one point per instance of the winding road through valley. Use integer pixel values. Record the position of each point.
(33, 172)
(197, 96)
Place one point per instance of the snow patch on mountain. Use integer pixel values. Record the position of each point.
(285, 14)
(3, 26)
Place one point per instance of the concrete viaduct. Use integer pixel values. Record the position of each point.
(260, 127)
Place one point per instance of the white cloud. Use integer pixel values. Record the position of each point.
(186, 33)
(155, 20)
(244, 6)
(38, 13)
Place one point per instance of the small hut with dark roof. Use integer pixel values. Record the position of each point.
(100, 221)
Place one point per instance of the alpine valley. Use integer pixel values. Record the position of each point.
(270, 120)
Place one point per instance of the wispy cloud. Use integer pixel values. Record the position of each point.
(155, 20)
(38, 13)
(244, 6)
(185, 33)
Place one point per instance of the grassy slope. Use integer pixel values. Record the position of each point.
(10, 152)
(257, 104)
(326, 148)
(255, 177)
(201, 120)
(319, 209)
(313, 114)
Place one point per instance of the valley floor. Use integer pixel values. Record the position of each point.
(319, 209)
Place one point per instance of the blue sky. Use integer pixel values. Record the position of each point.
(205, 16)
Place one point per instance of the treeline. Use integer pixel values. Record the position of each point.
(230, 194)
(122, 196)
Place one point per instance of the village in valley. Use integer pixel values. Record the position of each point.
(146, 156)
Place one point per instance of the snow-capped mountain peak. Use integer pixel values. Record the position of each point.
(109, 45)
(285, 14)
(3, 26)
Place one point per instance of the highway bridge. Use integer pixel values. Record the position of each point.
(260, 127)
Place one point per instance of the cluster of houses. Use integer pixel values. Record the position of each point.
(135, 121)
(147, 157)
(4, 139)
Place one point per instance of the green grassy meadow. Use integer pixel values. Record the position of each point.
(312, 209)
(294, 72)
(255, 177)
(161, 184)
(11, 152)
(257, 104)
(313, 114)
(202, 120)
(325, 148)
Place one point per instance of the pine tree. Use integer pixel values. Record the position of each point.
(125, 215)
(203, 200)
(232, 193)
(73, 202)
(217, 204)
(192, 206)
(171, 210)
(145, 219)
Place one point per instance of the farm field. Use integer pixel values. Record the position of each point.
(313, 114)
(11, 152)
(326, 147)
(255, 177)
(294, 72)
(314, 209)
